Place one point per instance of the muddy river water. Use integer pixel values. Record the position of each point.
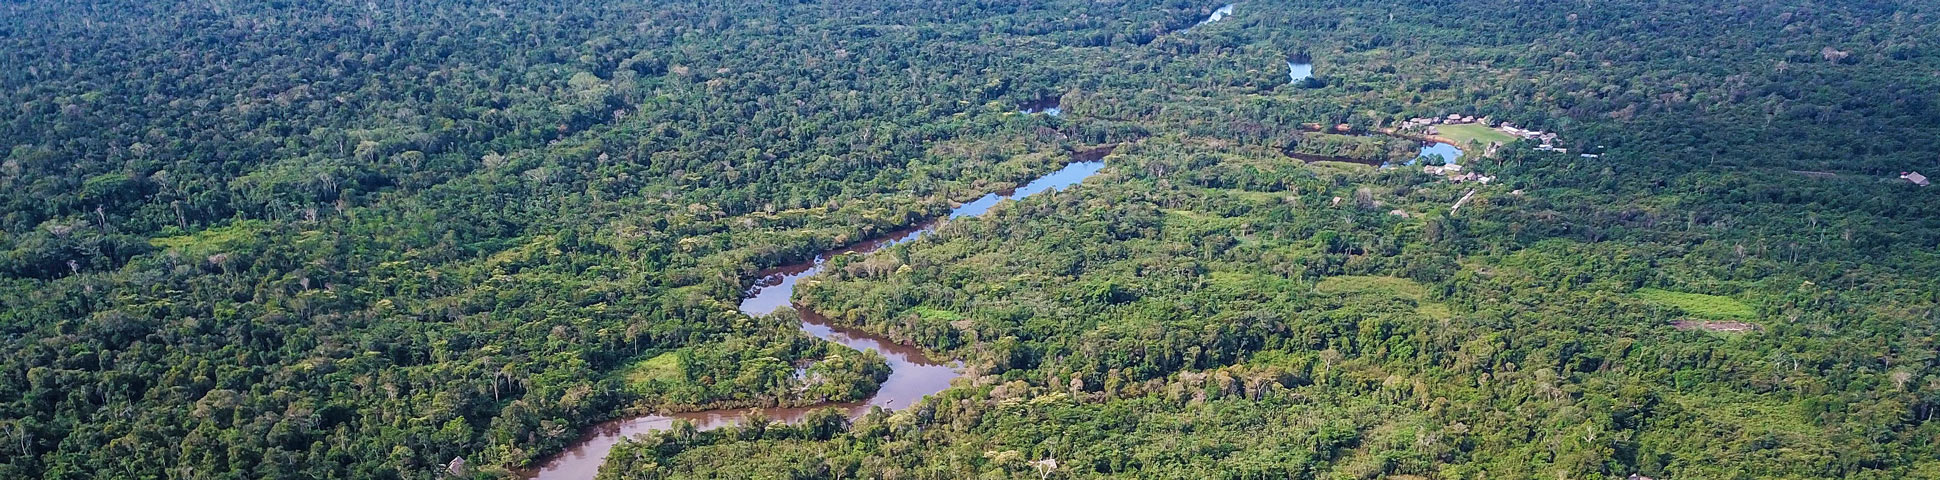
(913, 375)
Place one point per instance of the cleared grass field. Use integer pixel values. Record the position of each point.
(1471, 132)
(664, 367)
(213, 240)
(936, 313)
(1384, 286)
(1698, 304)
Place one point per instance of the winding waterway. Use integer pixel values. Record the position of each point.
(1218, 15)
(912, 376)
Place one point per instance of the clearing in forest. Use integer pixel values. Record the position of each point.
(1384, 286)
(1715, 326)
(936, 313)
(1462, 134)
(213, 240)
(1697, 304)
(663, 367)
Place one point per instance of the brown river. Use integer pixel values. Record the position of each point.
(913, 375)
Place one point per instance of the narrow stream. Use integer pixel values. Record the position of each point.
(1218, 15)
(912, 376)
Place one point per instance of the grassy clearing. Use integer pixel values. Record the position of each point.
(1698, 304)
(1746, 423)
(1246, 282)
(1359, 284)
(213, 240)
(1257, 158)
(1329, 166)
(1384, 286)
(1294, 360)
(1262, 198)
(1196, 221)
(1465, 133)
(664, 367)
(1432, 309)
(936, 313)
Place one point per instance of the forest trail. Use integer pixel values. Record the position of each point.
(1463, 201)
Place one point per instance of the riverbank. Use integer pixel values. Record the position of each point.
(914, 372)
(1423, 138)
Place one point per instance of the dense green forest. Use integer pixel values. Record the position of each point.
(356, 240)
(1370, 149)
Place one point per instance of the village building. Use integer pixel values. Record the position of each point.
(1448, 169)
(1914, 177)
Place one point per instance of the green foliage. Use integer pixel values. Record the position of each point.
(1471, 134)
(349, 240)
(936, 313)
(1356, 148)
(1362, 284)
(211, 241)
(665, 368)
(1362, 346)
(1702, 305)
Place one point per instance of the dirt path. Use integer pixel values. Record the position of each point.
(1463, 201)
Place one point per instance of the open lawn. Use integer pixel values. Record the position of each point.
(1472, 132)
(936, 313)
(1698, 304)
(1384, 286)
(664, 367)
(213, 240)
